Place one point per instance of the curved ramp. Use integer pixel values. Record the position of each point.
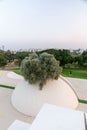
(28, 99)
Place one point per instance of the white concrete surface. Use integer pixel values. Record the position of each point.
(19, 125)
(82, 107)
(14, 75)
(80, 87)
(57, 118)
(28, 99)
(7, 112)
(6, 80)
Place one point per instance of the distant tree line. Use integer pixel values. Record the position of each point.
(64, 56)
(67, 58)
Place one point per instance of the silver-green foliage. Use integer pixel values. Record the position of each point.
(40, 68)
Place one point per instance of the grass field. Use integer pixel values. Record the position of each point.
(17, 71)
(76, 73)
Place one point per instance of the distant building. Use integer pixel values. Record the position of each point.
(77, 51)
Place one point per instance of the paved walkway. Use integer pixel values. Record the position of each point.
(8, 114)
(80, 87)
(4, 79)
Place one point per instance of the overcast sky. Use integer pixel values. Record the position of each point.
(43, 24)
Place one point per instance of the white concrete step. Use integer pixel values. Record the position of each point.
(52, 117)
(19, 125)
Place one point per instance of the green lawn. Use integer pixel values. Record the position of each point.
(16, 70)
(76, 73)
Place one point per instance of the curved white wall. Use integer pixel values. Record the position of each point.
(28, 99)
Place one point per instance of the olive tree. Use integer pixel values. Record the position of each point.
(40, 68)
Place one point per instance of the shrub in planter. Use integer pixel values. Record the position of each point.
(40, 68)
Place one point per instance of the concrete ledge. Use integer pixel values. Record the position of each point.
(68, 82)
(52, 117)
(28, 99)
(19, 125)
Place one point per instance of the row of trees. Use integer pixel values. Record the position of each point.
(8, 56)
(65, 57)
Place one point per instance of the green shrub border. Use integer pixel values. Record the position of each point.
(82, 101)
(5, 86)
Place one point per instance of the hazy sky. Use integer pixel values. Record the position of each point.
(43, 24)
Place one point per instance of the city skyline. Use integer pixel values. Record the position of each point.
(43, 24)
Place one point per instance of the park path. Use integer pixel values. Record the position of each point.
(5, 80)
(8, 114)
(80, 87)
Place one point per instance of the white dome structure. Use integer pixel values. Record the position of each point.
(28, 99)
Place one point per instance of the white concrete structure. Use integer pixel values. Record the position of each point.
(14, 75)
(57, 118)
(28, 99)
(52, 117)
(19, 125)
(7, 78)
(8, 114)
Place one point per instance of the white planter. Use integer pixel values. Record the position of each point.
(28, 99)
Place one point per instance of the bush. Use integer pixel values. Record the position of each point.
(40, 68)
(3, 60)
